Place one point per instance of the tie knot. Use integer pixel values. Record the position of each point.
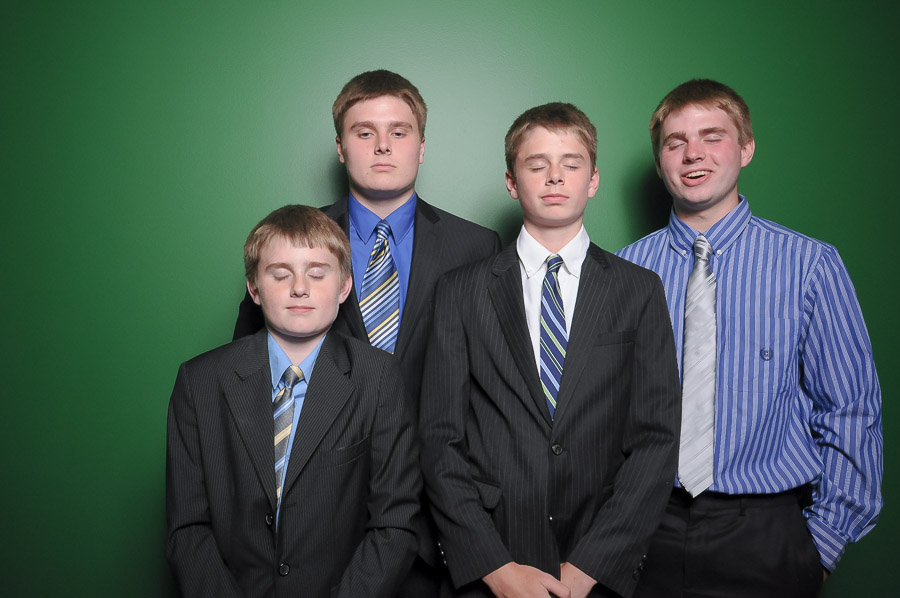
(291, 376)
(702, 248)
(382, 230)
(553, 263)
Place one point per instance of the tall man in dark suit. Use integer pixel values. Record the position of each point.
(379, 118)
(291, 463)
(550, 401)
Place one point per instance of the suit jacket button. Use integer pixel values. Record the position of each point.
(269, 520)
(557, 449)
(284, 569)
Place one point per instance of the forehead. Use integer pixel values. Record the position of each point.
(381, 109)
(694, 117)
(542, 141)
(281, 249)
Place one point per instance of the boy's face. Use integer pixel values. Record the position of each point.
(299, 290)
(381, 147)
(553, 180)
(700, 160)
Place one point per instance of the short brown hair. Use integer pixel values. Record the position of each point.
(304, 226)
(374, 84)
(555, 116)
(709, 94)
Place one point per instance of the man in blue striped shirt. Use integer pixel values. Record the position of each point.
(796, 461)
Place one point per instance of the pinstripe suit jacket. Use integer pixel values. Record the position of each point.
(350, 497)
(505, 481)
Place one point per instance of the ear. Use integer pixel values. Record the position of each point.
(254, 292)
(422, 150)
(340, 148)
(747, 152)
(595, 183)
(511, 185)
(345, 289)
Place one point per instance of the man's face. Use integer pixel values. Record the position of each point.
(299, 290)
(381, 147)
(553, 180)
(700, 160)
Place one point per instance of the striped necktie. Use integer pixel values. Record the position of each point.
(698, 411)
(553, 333)
(284, 420)
(380, 293)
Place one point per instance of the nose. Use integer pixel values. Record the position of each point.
(693, 152)
(555, 174)
(383, 145)
(299, 288)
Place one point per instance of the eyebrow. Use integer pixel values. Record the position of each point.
(530, 157)
(368, 124)
(681, 135)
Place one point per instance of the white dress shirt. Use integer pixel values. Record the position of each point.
(533, 266)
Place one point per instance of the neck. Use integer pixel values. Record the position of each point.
(553, 239)
(296, 349)
(381, 206)
(703, 220)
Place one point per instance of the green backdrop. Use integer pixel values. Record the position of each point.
(141, 141)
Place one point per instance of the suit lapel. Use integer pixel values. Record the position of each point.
(506, 295)
(593, 288)
(427, 244)
(326, 395)
(349, 311)
(249, 398)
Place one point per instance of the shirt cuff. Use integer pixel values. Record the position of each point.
(830, 543)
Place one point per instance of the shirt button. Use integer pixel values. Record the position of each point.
(283, 569)
(556, 449)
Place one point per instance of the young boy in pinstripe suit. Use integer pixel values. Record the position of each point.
(292, 460)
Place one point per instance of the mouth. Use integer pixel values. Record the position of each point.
(299, 309)
(695, 176)
(382, 167)
(554, 197)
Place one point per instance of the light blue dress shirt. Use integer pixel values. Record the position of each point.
(797, 397)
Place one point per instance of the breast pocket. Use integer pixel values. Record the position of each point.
(761, 354)
(347, 454)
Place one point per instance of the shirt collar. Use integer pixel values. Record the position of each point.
(279, 361)
(721, 235)
(532, 254)
(363, 220)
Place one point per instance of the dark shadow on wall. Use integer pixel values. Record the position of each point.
(653, 203)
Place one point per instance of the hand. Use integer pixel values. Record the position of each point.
(521, 581)
(578, 582)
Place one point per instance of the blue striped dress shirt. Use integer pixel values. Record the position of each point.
(797, 396)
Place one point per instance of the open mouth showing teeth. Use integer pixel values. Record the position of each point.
(697, 174)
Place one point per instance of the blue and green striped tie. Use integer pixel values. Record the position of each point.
(553, 333)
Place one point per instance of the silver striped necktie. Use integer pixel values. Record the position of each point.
(698, 410)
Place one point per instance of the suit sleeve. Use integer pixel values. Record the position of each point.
(250, 318)
(191, 546)
(471, 544)
(387, 550)
(613, 549)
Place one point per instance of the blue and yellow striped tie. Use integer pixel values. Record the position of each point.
(553, 333)
(380, 293)
(284, 420)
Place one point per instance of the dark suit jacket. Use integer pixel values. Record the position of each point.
(350, 498)
(505, 481)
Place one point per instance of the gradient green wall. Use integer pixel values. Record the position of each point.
(140, 142)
